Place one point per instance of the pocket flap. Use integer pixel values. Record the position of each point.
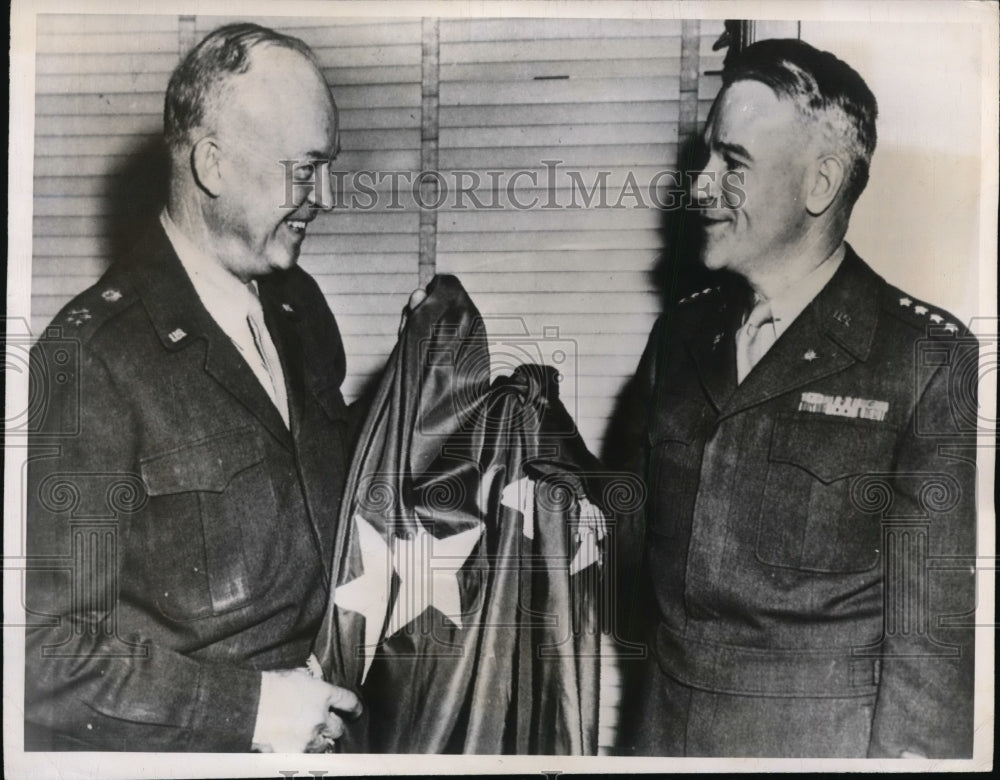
(832, 448)
(676, 419)
(207, 464)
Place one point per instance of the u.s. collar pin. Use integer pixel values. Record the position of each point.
(842, 317)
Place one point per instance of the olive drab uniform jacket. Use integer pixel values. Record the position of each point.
(811, 532)
(179, 533)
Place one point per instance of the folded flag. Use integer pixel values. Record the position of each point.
(467, 563)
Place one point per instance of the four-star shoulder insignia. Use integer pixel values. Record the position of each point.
(919, 312)
(78, 316)
(698, 294)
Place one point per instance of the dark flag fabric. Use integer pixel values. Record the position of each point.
(464, 607)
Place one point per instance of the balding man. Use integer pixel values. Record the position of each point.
(810, 538)
(181, 525)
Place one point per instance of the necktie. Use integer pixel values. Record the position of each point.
(275, 385)
(754, 339)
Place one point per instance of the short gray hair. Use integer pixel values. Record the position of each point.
(824, 89)
(201, 78)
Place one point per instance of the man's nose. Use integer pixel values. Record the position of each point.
(321, 191)
(705, 187)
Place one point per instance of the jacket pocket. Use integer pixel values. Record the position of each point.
(204, 497)
(807, 518)
(675, 461)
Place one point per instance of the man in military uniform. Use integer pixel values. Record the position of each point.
(186, 474)
(810, 535)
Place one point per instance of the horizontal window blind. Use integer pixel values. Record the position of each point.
(570, 281)
(610, 100)
(601, 97)
(98, 103)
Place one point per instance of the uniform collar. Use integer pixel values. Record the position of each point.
(167, 293)
(225, 297)
(847, 308)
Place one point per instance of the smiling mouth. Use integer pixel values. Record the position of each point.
(297, 226)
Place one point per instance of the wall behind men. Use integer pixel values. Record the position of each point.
(918, 221)
(571, 286)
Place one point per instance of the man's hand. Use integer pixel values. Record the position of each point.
(296, 711)
(416, 298)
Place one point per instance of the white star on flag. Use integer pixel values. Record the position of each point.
(368, 594)
(428, 572)
(520, 496)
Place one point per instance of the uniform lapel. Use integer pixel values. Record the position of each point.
(713, 351)
(833, 332)
(181, 320)
(282, 321)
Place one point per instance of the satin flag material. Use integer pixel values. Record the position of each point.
(464, 610)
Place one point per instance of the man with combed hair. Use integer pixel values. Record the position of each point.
(185, 479)
(810, 533)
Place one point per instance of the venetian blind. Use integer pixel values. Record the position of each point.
(546, 108)
(98, 105)
(478, 100)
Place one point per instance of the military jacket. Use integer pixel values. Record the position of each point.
(179, 532)
(811, 531)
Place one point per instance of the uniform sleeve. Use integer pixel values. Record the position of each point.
(626, 450)
(926, 684)
(90, 681)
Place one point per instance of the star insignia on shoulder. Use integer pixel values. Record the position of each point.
(936, 318)
(904, 301)
(78, 316)
(920, 309)
(111, 295)
(951, 327)
(810, 355)
(698, 294)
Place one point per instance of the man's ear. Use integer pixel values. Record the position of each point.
(206, 165)
(827, 178)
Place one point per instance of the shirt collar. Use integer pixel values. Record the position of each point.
(793, 299)
(227, 299)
